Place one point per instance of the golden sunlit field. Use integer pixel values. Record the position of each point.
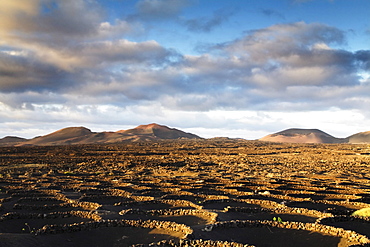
(216, 192)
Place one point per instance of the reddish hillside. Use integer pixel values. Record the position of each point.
(302, 136)
(158, 131)
(82, 135)
(64, 136)
(11, 140)
(362, 137)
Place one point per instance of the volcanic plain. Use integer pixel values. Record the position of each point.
(214, 192)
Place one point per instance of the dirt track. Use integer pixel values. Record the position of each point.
(185, 193)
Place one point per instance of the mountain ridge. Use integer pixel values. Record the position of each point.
(157, 132)
(297, 135)
(83, 135)
(361, 137)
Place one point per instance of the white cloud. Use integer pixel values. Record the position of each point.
(364, 77)
(107, 30)
(123, 72)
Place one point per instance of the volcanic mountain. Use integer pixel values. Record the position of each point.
(302, 136)
(11, 140)
(362, 137)
(82, 135)
(64, 136)
(158, 131)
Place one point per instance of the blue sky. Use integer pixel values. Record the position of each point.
(211, 67)
(228, 20)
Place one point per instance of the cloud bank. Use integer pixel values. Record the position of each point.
(59, 57)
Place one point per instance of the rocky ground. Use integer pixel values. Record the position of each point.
(185, 193)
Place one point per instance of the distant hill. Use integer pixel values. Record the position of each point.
(11, 140)
(64, 136)
(225, 139)
(302, 136)
(158, 131)
(82, 135)
(362, 137)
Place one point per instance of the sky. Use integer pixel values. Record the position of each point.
(235, 68)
